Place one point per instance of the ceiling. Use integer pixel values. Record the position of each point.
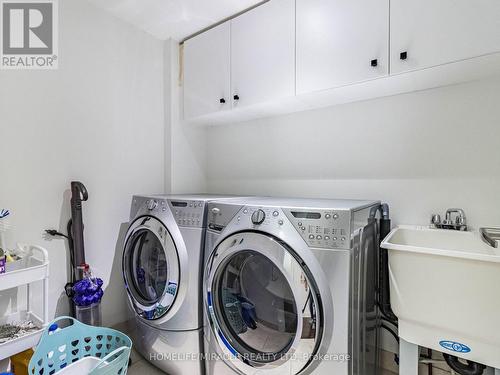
(175, 19)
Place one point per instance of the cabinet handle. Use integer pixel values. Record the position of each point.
(222, 101)
(374, 63)
(236, 97)
(403, 55)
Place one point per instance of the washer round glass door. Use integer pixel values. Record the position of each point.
(150, 267)
(263, 307)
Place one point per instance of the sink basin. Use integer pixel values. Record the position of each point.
(445, 291)
(468, 245)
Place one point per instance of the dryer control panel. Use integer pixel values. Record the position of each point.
(188, 213)
(322, 228)
(148, 206)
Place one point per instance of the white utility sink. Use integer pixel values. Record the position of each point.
(445, 291)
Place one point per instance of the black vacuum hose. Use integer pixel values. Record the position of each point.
(471, 368)
(78, 195)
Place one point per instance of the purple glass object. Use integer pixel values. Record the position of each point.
(88, 292)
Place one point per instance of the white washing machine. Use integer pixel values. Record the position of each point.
(290, 287)
(162, 269)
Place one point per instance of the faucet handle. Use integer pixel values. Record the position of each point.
(435, 219)
(457, 211)
(460, 220)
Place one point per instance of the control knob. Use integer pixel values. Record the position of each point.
(258, 217)
(152, 204)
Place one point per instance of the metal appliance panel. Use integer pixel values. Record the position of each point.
(174, 352)
(335, 266)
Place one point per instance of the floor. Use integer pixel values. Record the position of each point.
(141, 367)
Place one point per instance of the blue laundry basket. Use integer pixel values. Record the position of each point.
(59, 348)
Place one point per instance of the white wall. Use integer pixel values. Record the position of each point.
(421, 152)
(188, 144)
(98, 119)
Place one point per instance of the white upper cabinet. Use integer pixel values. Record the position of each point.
(426, 33)
(287, 55)
(263, 53)
(207, 72)
(340, 42)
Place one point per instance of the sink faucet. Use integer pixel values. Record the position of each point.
(459, 223)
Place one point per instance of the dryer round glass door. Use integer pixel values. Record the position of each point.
(263, 304)
(150, 267)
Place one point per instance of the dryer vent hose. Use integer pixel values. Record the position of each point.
(384, 289)
(471, 368)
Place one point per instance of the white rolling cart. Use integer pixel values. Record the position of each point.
(33, 267)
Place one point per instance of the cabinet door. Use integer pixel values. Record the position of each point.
(340, 42)
(434, 32)
(263, 53)
(207, 72)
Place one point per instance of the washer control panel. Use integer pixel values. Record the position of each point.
(188, 213)
(329, 229)
(322, 228)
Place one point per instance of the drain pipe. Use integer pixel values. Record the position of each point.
(384, 291)
(471, 368)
